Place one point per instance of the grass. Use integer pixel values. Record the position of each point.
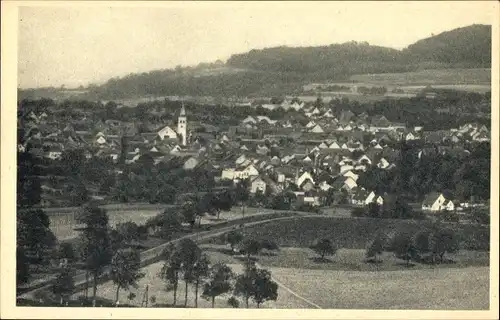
(353, 233)
(346, 260)
(157, 288)
(432, 289)
(432, 76)
(346, 281)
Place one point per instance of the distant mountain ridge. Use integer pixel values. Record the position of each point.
(275, 70)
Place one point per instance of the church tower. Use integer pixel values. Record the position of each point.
(182, 125)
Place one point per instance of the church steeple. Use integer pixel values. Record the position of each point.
(182, 125)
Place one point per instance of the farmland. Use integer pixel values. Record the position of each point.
(354, 233)
(63, 221)
(429, 77)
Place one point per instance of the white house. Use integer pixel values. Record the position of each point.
(352, 175)
(323, 145)
(310, 124)
(434, 202)
(383, 164)
(257, 184)
(364, 159)
(167, 132)
(334, 145)
(317, 129)
(350, 183)
(304, 177)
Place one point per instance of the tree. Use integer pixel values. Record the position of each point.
(190, 254)
(324, 247)
(128, 231)
(171, 269)
(376, 247)
(403, 247)
(125, 270)
(244, 286)
(66, 251)
(189, 212)
(268, 244)
(444, 241)
(233, 302)
(233, 238)
(22, 266)
(64, 285)
(250, 247)
(222, 202)
(200, 272)
(169, 223)
(219, 283)
(34, 234)
(422, 243)
(264, 287)
(95, 242)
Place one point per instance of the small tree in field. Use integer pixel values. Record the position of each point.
(219, 282)
(265, 288)
(244, 286)
(422, 243)
(376, 247)
(403, 247)
(233, 238)
(251, 247)
(233, 302)
(125, 270)
(64, 284)
(324, 247)
(444, 241)
(200, 272)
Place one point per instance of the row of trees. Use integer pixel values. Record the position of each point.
(186, 262)
(425, 246)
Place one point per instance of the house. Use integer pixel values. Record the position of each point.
(307, 186)
(190, 163)
(167, 132)
(311, 201)
(434, 201)
(383, 163)
(249, 119)
(352, 175)
(449, 205)
(349, 184)
(306, 176)
(256, 184)
(317, 129)
(334, 145)
(411, 136)
(53, 153)
(310, 124)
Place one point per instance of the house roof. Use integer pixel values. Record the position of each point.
(431, 198)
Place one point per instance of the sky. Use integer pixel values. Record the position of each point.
(81, 44)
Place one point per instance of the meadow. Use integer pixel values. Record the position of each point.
(354, 233)
(480, 76)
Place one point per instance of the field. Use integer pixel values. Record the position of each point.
(429, 77)
(354, 233)
(304, 283)
(63, 222)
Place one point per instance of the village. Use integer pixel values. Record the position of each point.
(319, 159)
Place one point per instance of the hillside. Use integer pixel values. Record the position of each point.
(469, 47)
(274, 71)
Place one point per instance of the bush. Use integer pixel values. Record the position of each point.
(358, 212)
(233, 302)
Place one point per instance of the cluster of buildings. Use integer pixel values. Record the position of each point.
(313, 156)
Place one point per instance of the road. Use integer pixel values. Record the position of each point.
(151, 255)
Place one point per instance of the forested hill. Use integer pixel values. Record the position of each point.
(469, 46)
(274, 71)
